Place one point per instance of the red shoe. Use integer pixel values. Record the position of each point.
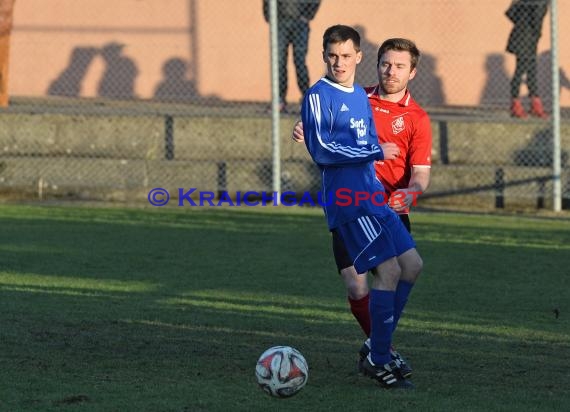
(517, 109)
(536, 108)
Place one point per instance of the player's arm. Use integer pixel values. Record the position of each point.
(419, 181)
(298, 136)
(406, 197)
(329, 147)
(420, 158)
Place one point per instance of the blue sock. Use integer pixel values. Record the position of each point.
(382, 324)
(402, 292)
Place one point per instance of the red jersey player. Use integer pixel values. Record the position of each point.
(399, 119)
(405, 123)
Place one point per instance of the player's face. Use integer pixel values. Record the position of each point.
(341, 60)
(395, 71)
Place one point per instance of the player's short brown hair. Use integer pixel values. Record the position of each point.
(400, 44)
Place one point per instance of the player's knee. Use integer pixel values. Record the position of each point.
(395, 273)
(356, 285)
(412, 269)
(390, 275)
(356, 292)
(417, 266)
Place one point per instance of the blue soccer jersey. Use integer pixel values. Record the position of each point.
(341, 138)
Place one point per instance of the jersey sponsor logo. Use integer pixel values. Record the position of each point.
(398, 125)
(380, 109)
(360, 127)
(344, 108)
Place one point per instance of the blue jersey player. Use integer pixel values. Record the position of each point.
(341, 138)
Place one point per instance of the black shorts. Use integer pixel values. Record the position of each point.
(341, 256)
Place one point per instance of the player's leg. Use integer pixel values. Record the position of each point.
(356, 284)
(369, 243)
(409, 261)
(412, 265)
(410, 271)
(382, 294)
(358, 296)
(379, 363)
(359, 301)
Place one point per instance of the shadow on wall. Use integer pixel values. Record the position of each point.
(496, 89)
(544, 70)
(367, 74)
(427, 87)
(69, 81)
(538, 152)
(117, 81)
(119, 76)
(175, 86)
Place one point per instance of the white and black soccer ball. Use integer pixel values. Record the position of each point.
(282, 371)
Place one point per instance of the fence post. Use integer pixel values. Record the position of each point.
(556, 151)
(222, 179)
(499, 188)
(275, 116)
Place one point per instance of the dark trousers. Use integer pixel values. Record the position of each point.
(526, 64)
(295, 33)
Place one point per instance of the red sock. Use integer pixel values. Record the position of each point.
(361, 311)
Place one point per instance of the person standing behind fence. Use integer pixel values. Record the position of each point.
(293, 29)
(527, 17)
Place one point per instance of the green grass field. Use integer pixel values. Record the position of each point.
(116, 309)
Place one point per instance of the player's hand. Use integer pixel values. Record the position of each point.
(391, 150)
(297, 134)
(402, 199)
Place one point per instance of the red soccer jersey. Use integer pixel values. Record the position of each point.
(408, 125)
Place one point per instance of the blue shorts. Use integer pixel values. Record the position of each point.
(371, 240)
(341, 257)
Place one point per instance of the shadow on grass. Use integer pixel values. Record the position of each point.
(125, 307)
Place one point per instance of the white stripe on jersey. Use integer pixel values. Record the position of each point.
(315, 103)
(348, 151)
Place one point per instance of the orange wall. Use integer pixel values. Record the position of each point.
(225, 42)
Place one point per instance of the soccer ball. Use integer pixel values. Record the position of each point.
(282, 371)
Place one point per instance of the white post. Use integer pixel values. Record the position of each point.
(556, 152)
(275, 115)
